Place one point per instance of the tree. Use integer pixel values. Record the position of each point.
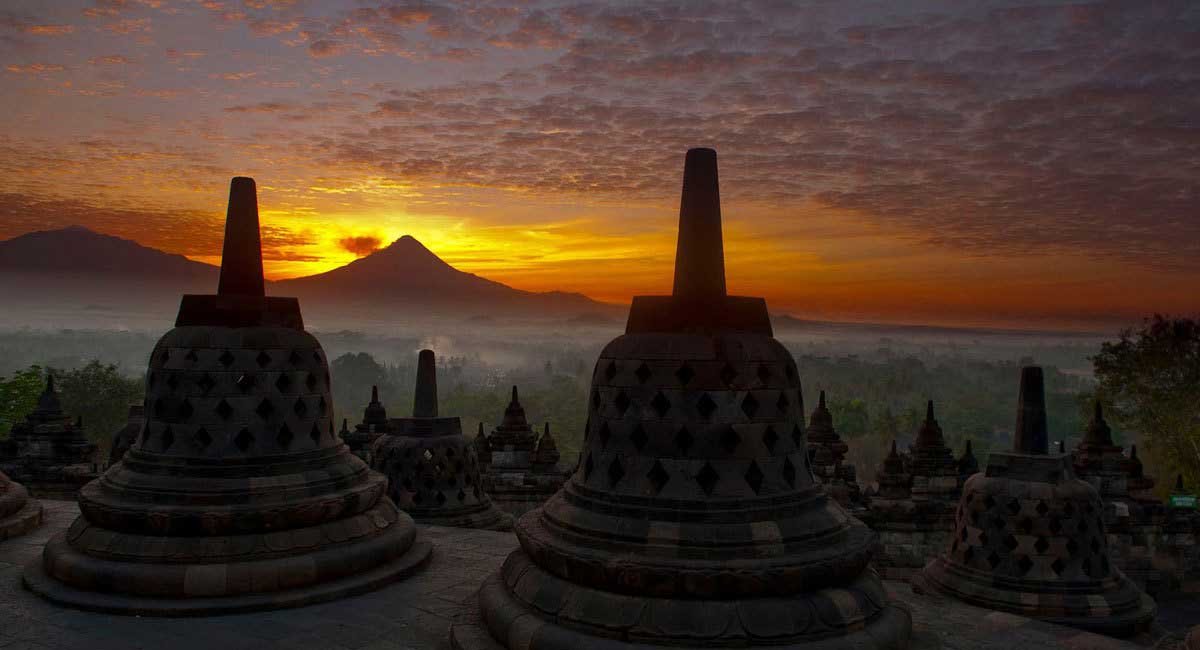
(101, 394)
(18, 396)
(1149, 380)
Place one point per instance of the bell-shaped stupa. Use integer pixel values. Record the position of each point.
(48, 451)
(19, 514)
(1030, 540)
(237, 495)
(374, 424)
(827, 455)
(521, 470)
(433, 472)
(693, 519)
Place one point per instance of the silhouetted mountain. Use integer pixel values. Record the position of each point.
(406, 274)
(79, 250)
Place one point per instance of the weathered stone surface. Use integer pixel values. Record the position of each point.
(18, 513)
(520, 470)
(374, 425)
(1030, 540)
(693, 519)
(124, 439)
(237, 494)
(433, 473)
(827, 456)
(48, 452)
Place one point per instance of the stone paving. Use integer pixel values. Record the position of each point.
(416, 614)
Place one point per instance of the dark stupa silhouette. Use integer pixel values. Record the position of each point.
(1030, 538)
(237, 495)
(693, 520)
(433, 472)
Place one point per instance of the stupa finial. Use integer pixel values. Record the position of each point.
(699, 252)
(374, 393)
(929, 411)
(241, 258)
(1031, 436)
(425, 403)
(514, 396)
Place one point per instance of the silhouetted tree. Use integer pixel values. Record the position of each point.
(18, 396)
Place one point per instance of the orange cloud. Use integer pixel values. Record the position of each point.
(360, 246)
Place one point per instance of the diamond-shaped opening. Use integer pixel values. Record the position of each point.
(683, 440)
(1026, 525)
(1072, 546)
(172, 380)
(983, 538)
(797, 436)
(300, 408)
(283, 383)
(764, 373)
(754, 477)
(770, 438)
(1014, 505)
(1010, 542)
(685, 374)
(245, 382)
(316, 355)
(294, 358)
(660, 404)
(1055, 525)
(790, 371)
(206, 384)
(728, 374)
(315, 434)
(1068, 508)
(202, 438)
(226, 358)
(605, 434)
(999, 523)
(284, 437)
(993, 559)
(191, 356)
(706, 406)
(263, 359)
(644, 373)
(621, 402)
(322, 406)
(427, 454)
(441, 498)
(166, 354)
(310, 382)
(1095, 545)
(588, 466)
(160, 408)
(224, 409)
(749, 405)
(168, 438)
(615, 471)
(1041, 545)
(707, 478)
(185, 409)
(595, 399)
(1024, 564)
(658, 476)
(1058, 566)
(730, 440)
(244, 439)
(782, 403)
(989, 502)
(610, 371)
(462, 496)
(1042, 508)
(265, 408)
(789, 472)
(639, 437)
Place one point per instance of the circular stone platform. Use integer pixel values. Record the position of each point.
(19, 514)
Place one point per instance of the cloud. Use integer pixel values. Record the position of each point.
(360, 246)
(325, 47)
(111, 59)
(34, 68)
(50, 30)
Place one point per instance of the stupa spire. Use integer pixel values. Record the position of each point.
(699, 252)
(1098, 433)
(241, 258)
(930, 433)
(425, 402)
(1031, 435)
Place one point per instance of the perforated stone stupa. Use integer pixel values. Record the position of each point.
(827, 454)
(693, 519)
(374, 425)
(237, 495)
(433, 473)
(19, 514)
(1030, 538)
(521, 470)
(48, 452)
(124, 439)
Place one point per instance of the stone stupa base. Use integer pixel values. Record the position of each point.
(1119, 610)
(490, 518)
(858, 616)
(22, 521)
(398, 568)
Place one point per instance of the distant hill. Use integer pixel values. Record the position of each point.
(406, 274)
(78, 277)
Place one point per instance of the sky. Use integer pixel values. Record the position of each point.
(1009, 164)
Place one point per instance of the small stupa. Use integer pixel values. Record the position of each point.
(518, 474)
(1030, 540)
(827, 453)
(374, 424)
(433, 473)
(124, 439)
(48, 451)
(237, 495)
(968, 465)
(693, 520)
(19, 514)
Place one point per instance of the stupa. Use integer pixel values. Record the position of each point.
(19, 514)
(913, 510)
(238, 495)
(123, 439)
(48, 452)
(374, 425)
(1030, 538)
(827, 454)
(519, 475)
(968, 465)
(433, 473)
(693, 520)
